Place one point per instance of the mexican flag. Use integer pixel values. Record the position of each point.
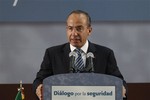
(20, 95)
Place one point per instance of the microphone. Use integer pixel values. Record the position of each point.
(90, 66)
(72, 56)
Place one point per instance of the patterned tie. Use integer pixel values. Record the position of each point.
(79, 64)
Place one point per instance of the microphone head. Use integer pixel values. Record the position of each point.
(74, 54)
(90, 54)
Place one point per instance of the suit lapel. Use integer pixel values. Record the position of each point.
(92, 49)
(66, 51)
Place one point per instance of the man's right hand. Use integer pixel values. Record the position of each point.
(39, 92)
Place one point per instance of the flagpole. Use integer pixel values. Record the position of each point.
(21, 84)
(21, 88)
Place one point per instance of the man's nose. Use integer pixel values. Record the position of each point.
(74, 32)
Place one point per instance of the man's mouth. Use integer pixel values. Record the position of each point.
(75, 40)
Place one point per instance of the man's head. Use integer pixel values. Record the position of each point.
(78, 27)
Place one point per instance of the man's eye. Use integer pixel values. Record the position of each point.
(79, 29)
(70, 28)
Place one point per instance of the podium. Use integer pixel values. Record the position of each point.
(82, 86)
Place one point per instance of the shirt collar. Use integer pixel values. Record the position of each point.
(83, 48)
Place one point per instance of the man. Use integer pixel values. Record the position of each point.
(56, 59)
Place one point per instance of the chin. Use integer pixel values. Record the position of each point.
(75, 43)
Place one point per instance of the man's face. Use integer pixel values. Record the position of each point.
(77, 29)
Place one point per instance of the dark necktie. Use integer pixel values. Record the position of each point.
(79, 64)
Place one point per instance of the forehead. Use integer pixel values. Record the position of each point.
(77, 19)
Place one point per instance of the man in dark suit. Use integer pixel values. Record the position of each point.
(56, 59)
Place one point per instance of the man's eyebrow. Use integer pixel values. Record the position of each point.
(79, 26)
(75, 26)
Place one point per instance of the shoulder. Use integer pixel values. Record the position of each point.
(101, 48)
(57, 48)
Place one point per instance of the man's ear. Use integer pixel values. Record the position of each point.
(90, 30)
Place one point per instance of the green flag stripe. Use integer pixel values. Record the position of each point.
(18, 96)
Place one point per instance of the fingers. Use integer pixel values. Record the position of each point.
(123, 91)
(39, 92)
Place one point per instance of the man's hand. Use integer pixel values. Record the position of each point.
(39, 92)
(123, 92)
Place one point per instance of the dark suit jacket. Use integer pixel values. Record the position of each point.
(56, 61)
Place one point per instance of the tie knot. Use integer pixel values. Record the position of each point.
(78, 50)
